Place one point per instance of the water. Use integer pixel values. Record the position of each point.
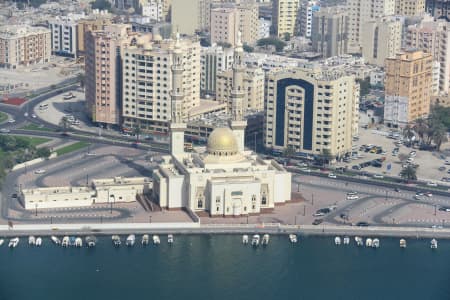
(220, 267)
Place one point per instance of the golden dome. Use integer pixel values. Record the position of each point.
(222, 142)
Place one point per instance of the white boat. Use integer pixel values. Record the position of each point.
(255, 240)
(13, 242)
(2, 241)
(31, 240)
(65, 241)
(376, 243)
(265, 240)
(131, 239)
(402, 243)
(116, 240)
(78, 242)
(434, 244)
(368, 242)
(90, 241)
(245, 239)
(359, 241)
(145, 239)
(170, 239)
(293, 238)
(337, 240)
(55, 240)
(38, 242)
(156, 240)
(346, 240)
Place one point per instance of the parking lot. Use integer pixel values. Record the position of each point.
(431, 165)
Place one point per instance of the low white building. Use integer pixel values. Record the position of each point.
(118, 189)
(222, 181)
(264, 28)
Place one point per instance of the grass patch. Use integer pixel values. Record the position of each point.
(3, 117)
(36, 127)
(34, 141)
(70, 148)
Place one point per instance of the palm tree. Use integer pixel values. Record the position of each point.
(439, 136)
(408, 133)
(137, 131)
(326, 156)
(421, 128)
(409, 173)
(65, 124)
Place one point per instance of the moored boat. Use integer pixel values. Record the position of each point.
(337, 240)
(156, 240)
(38, 241)
(255, 240)
(145, 239)
(170, 239)
(55, 240)
(368, 242)
(265, 240)
(116, 240)
(90, 241)
(2, 241)
(433, 244)
(31, 240)
(359, 241)
(293, 238)
(78, 242)
(13, 242)
(65, 241)
(375, 243)
(402, 243)
(346, 240)
(245, 239)
(131, 239)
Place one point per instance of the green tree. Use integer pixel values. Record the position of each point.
(326, 157)
(439, 136)
(137, 131)
(43, 152)
(248, 48)
(287, 36)
(289, 151)
(279, 44)
(408, 133)
(421, 128)
(364, 86)
(101, 4)
(409, 173)
(64, 123)
(224, 45)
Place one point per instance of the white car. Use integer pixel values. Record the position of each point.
(352, 197)
(4, 130)
(306, 170)
(25, 114)
(331, 175)
(39, 171)
(431, 183)
(33, 116)
(378, 176)
(11, 121)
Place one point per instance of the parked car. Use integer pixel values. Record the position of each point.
(317, 221)
(441, 168)
(378, 176)
(331, 175)
(39, 171)
(431, 183)
(318, 214)
(352, 197)
(362, 224)
(356, 167)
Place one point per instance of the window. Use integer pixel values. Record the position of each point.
(200, 203)
(264, 200)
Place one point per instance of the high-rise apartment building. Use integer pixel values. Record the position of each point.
(96, 21)
(438, 8)
(330, 32)
(103, 66)
(381, 39)
(433, 37)
(408, 87)
(213, 60)
(64, 34)
(361, 11)
(24, 45)
(154, 10)
(147, 82)
(284, 16)
(227, 20)
(253, 94)
(311, 110)
(305, 14)
(409, 8)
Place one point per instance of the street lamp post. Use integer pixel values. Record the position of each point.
(386, 195)
(298, 187)
(304, 210)
(312, 199)
(247, 219)
(295, 220)
(35, 212)
(435, 206)
(149, 218)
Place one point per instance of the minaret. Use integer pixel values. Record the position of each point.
(238, 123)
(177, 126)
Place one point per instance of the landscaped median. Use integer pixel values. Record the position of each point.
(3, 117)
(72, 147)
(36, 128)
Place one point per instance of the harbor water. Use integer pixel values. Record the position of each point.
(221, 267)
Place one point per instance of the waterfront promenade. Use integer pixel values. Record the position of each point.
(197, 228)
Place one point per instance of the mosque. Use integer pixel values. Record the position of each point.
(226, 179)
